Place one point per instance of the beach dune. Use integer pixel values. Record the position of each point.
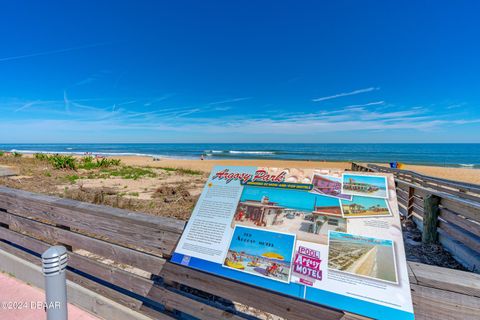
(457, 174)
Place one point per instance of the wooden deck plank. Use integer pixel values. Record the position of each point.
(459, 235)
(109, 293)
(463, 282)
(124, 231)
(102, 271)
(431, 303)
(141, 260)
(465, 208)
(464, 223)
(277, 304)
(163, 223)
(189, 306)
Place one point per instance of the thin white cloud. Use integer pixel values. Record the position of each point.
(85, 81)
(206, 121)
(229, 101)
(26, 106)
(455, 106)
(47, 53)
(66, 101)
(345, 94)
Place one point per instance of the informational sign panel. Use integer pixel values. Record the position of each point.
(326, 236)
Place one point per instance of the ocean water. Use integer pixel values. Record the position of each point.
(452, 155)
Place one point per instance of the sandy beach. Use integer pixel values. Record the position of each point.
(458, 174)
(166, 186)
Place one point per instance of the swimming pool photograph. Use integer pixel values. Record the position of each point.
(262, 253)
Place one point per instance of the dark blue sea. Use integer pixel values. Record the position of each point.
(453, 155)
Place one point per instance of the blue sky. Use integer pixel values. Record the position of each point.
(225, 71)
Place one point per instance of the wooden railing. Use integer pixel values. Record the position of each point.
(446, 211)
(124, 256)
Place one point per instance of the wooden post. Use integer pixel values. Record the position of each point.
(411, 196)
(430, 219)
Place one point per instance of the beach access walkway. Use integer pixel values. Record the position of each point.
(6, 171)
(19, 300)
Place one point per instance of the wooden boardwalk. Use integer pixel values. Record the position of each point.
(446, 211)
(124, 256)
(7, 172)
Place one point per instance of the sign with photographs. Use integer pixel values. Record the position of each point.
(322, 235)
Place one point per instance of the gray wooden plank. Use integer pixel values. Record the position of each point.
(102, 271)
(286, 307)
(126, 232)
(464, 223)
(112, 251)
(431, 303)
(446, 279)
(82, 281)
(189, 306)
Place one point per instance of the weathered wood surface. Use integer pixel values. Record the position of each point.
(138, 259)
(461, 189)
(445, 279)
(456, 215)
(7, 171)
(431, 303)
(182, 303)
(82, 281)
(151, 233)
(454, 294)
(118, 277)
(430, 219)
(252, 296)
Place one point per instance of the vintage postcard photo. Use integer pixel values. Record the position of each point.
(362, 207)
(364, 185)
(362, 256)
(261, 253)
(329, 186)
(307, 215)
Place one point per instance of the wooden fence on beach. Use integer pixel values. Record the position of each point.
(446, 211)
(124, 256)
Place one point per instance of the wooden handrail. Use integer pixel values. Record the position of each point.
(110, 258)
(446, 211)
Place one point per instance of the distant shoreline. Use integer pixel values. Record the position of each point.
(456, 174)
(185, 158)
(439, 155)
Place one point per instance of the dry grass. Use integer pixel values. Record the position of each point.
(165, 192)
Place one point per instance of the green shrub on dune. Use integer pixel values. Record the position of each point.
(41, 156)
(89, 163)
(70, 163)
(62, 162)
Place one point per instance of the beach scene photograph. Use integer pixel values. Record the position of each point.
(307, 215)
(261, 253)
(113, 115)
(362, 185)
(362, 256)
(361, 206)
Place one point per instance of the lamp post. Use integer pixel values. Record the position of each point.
(54, 265)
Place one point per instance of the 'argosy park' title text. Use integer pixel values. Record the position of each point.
(243, 177)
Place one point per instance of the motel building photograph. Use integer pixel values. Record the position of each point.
(308, 225)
